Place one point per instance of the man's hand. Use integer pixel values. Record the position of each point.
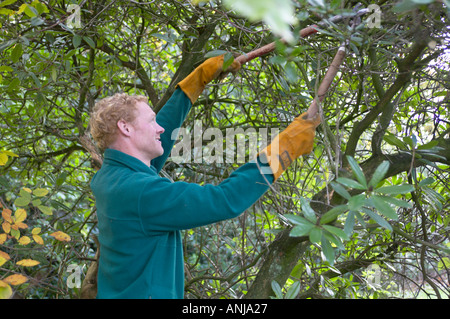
(195, 82)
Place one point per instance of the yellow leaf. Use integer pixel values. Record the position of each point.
(20, 215)
(59, 235)
(27, 190)
(4, 257)
(24, 240)
(6, 214)
(38, 239)
(21, 225)
(3, 238)
(15, 279)
(5, 290)
(3, 159)
(28, 262)
(39, 192)
(45, 209)
(6, 227)
(36, 230)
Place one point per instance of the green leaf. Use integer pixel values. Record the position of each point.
(307, 211)
(227, 60)
(384, 207)
(379, 174)
(76, 40)
(378, 219)
(22, 201)
(6, 3)
(336, 231)
(349, 223)
(297, 220)
(357, 171)
(315, 235)
(46, 210)
(215, 53)
(301, 230)
(396, 202)
(90, 42)
(16, 53)
(39, 192)
(332, 214)
(327, 249)
(395, 189)
(293, 290)
(426, 181)
(277, 289)
(356, 202)
(393, 140)
(340, 190)
(350, 183)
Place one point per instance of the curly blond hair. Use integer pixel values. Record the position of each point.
(107, 112)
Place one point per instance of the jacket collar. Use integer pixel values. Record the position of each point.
(118, 158)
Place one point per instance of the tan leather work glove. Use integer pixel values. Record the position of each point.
(297, 139)
(194, 84)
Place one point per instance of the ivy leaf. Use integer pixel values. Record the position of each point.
(350, 183)
(315, 235)
(341, 190)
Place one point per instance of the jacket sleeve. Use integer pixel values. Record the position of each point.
(167, 206)
(171, 117)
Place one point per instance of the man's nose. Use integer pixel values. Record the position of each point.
(160, 129)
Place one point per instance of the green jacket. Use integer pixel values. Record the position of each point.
(140, 215)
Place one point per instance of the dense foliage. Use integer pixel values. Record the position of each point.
(365, 215)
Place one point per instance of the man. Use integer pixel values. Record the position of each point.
(140, 214)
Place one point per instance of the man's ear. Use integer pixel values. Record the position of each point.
(124, 127)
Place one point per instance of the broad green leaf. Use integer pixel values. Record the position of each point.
(227, 60)
(396, 202)
(40, 192)
(384, 207)
(426, 181)
(7, 3)
(357, 171)
(340, 190)
(356, 202)
(332, 214)
(45, 209)
(349, 223)
(215, 53)
(393, 140)
(293, 290)
(336, 231)
(327, 249)
(301, 230)
(16, 53)
(350, 183)
(22, 201)
(307, 211)
(379, 174)
(76, 40)
(378, 219)
(277, 289)
(395, 189)
(315, 235)
(89, 41)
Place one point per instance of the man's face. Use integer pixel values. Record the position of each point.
(146, 133)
